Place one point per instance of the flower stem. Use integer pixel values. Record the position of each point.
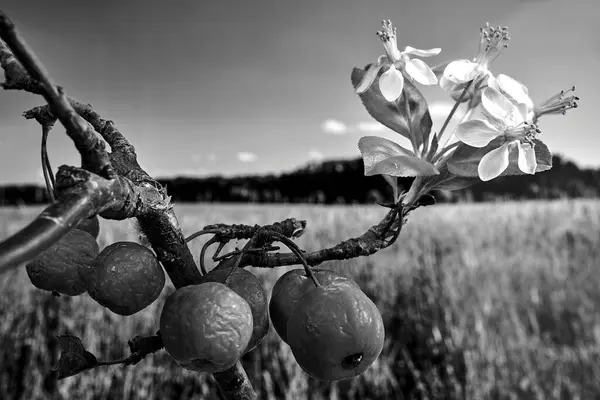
(454, 108)
(414, 192)
(409, 123)
(444, 150)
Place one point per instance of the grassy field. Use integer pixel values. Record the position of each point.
(485, 301)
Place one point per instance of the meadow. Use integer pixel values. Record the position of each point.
(480, 301)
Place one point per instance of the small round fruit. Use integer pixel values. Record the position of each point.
(288, 290)
(206, 327)
(336, 332)
(126, 279)
(247, 285)
(57, 267)
(90, 225)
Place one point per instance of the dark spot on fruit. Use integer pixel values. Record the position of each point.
(55, 293)
(352, 360)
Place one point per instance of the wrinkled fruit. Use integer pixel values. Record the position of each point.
(247, 285)
(206, 327)
(288, 290)
(126, 279)
(336, 332)
(90, 225)
(57, 267)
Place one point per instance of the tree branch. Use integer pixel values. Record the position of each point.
(92, 151)
(81, 194)
(160, 226)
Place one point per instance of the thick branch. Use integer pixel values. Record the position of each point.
(92, 151)
(160, 226)
(81, 195)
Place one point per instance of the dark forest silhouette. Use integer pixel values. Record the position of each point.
(343, 182)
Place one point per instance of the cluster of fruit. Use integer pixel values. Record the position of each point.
(124, 277)
(334, 330)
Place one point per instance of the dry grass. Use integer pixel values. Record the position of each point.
(502, 297)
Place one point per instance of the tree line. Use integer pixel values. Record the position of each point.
(343, 182)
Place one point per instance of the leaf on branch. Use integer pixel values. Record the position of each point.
(449, 181)
(465, 159)
(382, 156)
(393, 114)
(74, 358)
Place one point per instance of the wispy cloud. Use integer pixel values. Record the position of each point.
(370, 126)
(245, 156)
(197, 158)
(167, 172)
(334, 127)
(337, 127)
(315, 155)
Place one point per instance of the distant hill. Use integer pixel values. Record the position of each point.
(343, 182)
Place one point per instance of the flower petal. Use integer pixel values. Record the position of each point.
(391, 84)
(476, 132)
(514, 90)
(368, 78)
(421, 53)
(420, 72)
(500, 109)
(493, 163)
(461, 71)
(527, 162)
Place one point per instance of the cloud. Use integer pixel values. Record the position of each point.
(245, 156)
(439, 109)
(370, 126)
(197, 158)
(169, 173)
(334, 127)
(315, 155)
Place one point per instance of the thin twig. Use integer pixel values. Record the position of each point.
(87, 143)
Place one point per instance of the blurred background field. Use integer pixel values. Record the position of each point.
(480, 301)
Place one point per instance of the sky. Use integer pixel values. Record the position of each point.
(233, 87)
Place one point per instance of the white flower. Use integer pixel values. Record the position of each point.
(391, 81)
(458, 73)
(510, 123)
(518, 94)
(515, 92)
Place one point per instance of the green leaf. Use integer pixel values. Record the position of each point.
(382, 156)
(448, 181)
(393, 114)
(401, 166)
(73, 357)
(465, 159)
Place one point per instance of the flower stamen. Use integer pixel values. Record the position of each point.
(525, 132)
(493, 41)
(389, 39)
(557, 104)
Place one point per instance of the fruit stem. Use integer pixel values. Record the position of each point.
(296, 250)
(46, 167)
(203, 251)
(199, 233)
